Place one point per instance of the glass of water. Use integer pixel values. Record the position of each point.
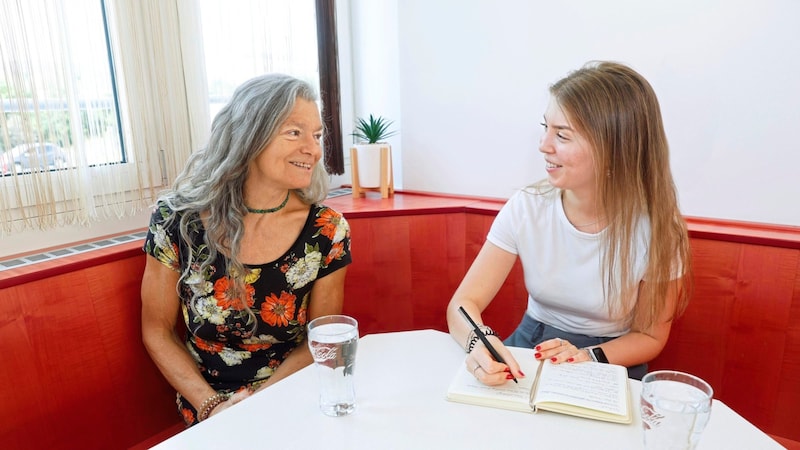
(333, 341)
(676, 407)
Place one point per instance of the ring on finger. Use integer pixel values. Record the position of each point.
(475, 369)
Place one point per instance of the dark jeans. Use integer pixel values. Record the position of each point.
(531, 332)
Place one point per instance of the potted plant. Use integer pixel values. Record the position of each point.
(371, 135)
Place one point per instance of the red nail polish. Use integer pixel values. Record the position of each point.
(537, 355)
(507, 370)
(509, 377)
(570, 359)
(553, 359)
(538, 347)
(520, 372)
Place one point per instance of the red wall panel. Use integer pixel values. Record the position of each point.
(73, 363)
(75, 373)
(740, 332)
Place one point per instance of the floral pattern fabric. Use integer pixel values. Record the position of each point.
(236, 349)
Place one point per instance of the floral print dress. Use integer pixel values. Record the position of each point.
(235, 349)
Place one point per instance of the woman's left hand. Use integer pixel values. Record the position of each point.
(232, 400)
(559, 351)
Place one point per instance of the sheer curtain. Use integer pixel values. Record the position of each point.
(162, 86)
(246, 38)
(122, 109)
(62, 159)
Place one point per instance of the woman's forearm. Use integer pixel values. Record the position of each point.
(177, 365)
(633, 348)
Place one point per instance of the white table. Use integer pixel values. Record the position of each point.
(401, 380)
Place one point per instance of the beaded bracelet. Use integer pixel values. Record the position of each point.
(209, 404)
(472, 338)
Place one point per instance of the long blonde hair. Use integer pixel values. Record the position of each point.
(617, 111)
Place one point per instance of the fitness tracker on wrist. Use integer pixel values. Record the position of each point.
(598, 355)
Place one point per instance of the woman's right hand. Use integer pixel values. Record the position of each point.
(488, 371)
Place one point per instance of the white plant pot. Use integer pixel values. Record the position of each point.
(369, 164)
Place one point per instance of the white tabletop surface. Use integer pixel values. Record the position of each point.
(401, 380)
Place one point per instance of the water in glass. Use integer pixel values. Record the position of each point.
(674, 412)
(333, 341)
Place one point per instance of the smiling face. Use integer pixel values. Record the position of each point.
(568, 155)
(288, 160)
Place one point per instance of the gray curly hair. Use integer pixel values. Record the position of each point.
(212, 180)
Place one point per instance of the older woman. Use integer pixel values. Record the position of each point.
(241, 249)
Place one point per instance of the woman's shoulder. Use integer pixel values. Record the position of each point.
(329, 222)
(170, 218)
(323, 207)
(161, 212)
(535, 196)
(322, 210)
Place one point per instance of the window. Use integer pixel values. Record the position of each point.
(56, 87)
(83, 77)
(59, 112)
(247, 38)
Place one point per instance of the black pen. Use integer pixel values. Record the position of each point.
(483, 339)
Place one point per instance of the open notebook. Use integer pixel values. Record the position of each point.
(587, 389)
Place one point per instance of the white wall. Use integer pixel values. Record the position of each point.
(376, 87)
(473, 78)
(466, 83)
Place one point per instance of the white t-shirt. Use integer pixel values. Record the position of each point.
(561, 265)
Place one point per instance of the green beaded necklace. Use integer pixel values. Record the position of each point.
(270, 210)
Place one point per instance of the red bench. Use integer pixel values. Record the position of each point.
(76, 375)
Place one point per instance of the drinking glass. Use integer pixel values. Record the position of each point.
(675, 408)
(333, 341)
